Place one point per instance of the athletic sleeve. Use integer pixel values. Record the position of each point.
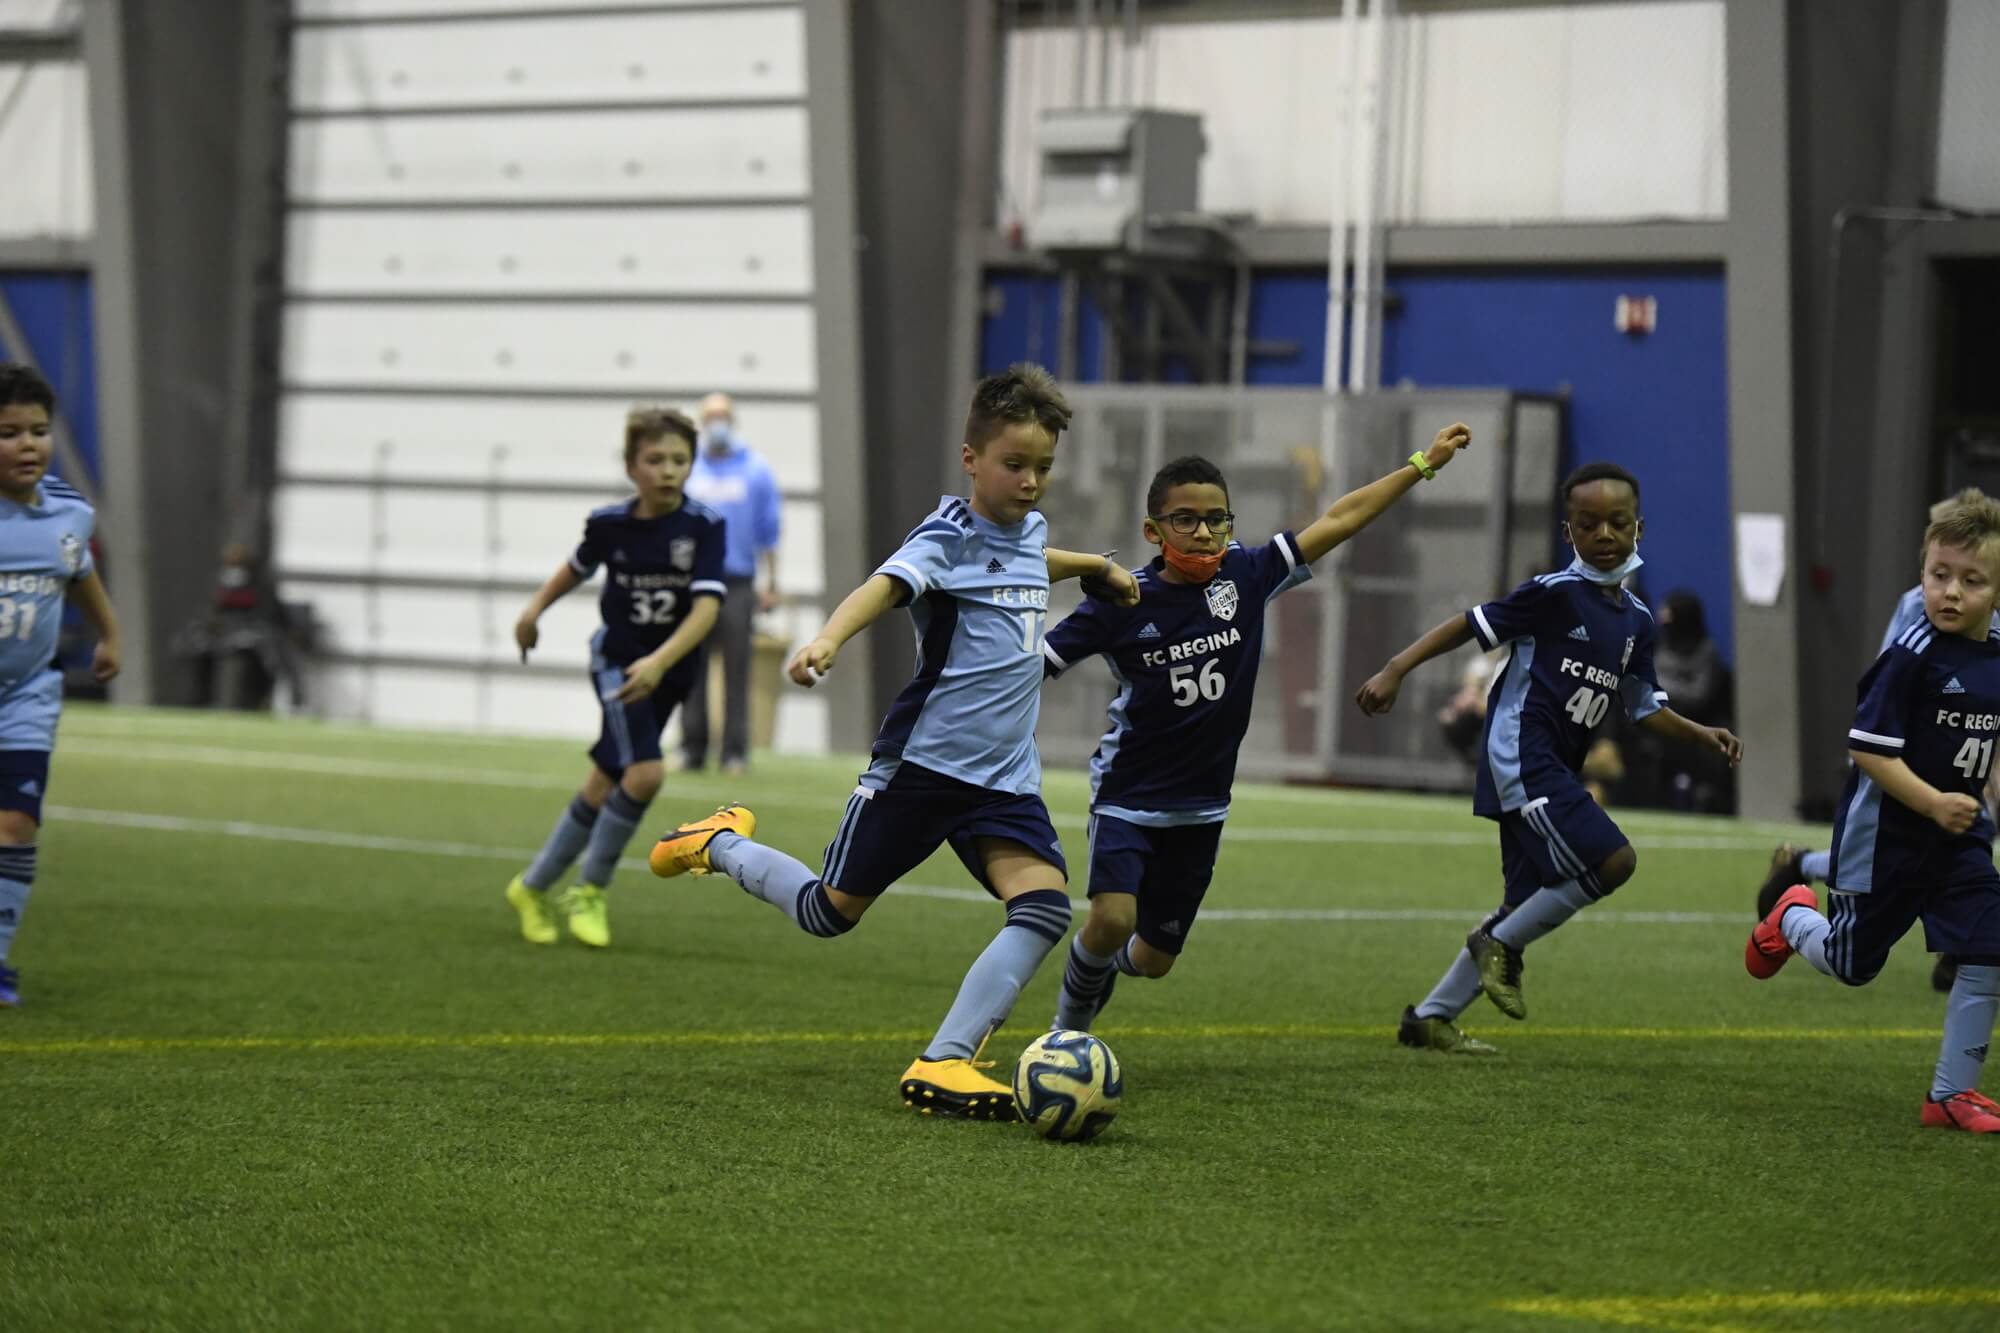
(709, 546)
(1909, 610)
(925, 559)
(1277, 565)
(589, 553)
(1640, 685)
(1083, 633)
(1881, 719)
(86, 563)
(1512, 617)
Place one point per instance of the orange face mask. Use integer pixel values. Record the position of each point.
(1200, 568)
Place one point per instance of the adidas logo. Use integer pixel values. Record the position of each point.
(31, 788)
(1580, 633)
(995, 567)
(1953, 687)
(1172, 928)
(618, 557)
(1151, 631)
(1977, 1052)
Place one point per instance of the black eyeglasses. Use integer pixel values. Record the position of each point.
(1183, 523)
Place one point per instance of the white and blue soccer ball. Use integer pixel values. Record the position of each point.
(1067, 1086)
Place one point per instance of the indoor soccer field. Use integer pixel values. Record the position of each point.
(284, 1061)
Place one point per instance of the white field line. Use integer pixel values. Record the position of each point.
(397, 771)
(238, 828)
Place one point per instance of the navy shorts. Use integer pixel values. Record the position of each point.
(1169, 870)
(902, 812)
(1961, 916)
(24, 781)
(629, 734)
(1554, 838)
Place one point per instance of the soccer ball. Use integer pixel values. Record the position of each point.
(1067, 1086)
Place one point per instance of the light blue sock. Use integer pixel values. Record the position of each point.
(1808, 932)
(1545, 909)
(1816, 866)
(615, 822)
(1086, 987)
(780, 880)
(1036, 922)
(1455, 991)
(17, 876)
(1968, 1029)
(566, 841)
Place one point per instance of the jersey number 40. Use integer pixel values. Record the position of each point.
(1587, 707)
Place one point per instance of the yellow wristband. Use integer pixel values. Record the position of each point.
(1422, 465)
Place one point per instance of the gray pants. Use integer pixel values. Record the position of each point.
(732, 635)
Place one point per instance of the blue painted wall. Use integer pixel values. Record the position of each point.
(55, 314)
(1657, 405)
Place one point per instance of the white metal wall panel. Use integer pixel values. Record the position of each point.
(1573, 112)
(565, 627)
(757, 153)
(422, 697)
(324, 528)
(1968, 155)
(430, 622)
(45, 150)
(571, 252)
(495, 345)
(535, 533)
(340, 610)
(436, 533)
(509, 439)
(544, 706)
(573, 58)
(801, 559)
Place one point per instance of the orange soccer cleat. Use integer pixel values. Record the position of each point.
(1767, 950)
(1970, 1111)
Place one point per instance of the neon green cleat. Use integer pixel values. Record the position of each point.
(538, 922)
(1499, 966)
(583, 908)
(1439, 1034)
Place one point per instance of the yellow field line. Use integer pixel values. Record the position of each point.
(412, 1041)
(1709, 1312)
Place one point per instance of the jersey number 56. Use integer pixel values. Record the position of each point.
(1188, 687)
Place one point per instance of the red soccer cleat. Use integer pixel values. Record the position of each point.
(1969, 1111)
(1767, 951)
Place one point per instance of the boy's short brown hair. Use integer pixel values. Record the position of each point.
(1967, 525)
(1969, 495)
(1023, 392)
(645, 424)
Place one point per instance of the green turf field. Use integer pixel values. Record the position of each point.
(284, 1063)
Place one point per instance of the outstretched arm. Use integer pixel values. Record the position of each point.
(526, 632)
(1378, 694)
(90, 598)
(1357, 509)
(856, 612)
(1666, 722)
(1096, 571)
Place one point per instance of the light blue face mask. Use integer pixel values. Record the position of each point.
(718, 437)
(1607, 578)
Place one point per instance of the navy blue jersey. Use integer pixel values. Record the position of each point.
(1931, 700)
(1185, 659)
(1571, 649)
(655, 568)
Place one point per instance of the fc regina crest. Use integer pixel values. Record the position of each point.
(1221, 599)
(681, 552)
(72, 552)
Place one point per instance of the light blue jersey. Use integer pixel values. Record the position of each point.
(1909, 610)
(979, 594)
(44, 547)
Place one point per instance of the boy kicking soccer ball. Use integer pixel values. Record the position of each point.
(1912, 840)
(1575, 640)
(955, 761)
(1185, 660)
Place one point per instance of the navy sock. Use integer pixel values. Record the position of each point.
(1086, 987)
(615, 823)
(1122, 960)
(816, 914)
(566, 840)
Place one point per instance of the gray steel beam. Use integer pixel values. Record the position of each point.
(837, 330)
(1289, 245)
(1763, 436)
(123, 515)
(32, 46)
(45, 252)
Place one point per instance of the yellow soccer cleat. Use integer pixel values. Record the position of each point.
(538, 921)
(957, 1089)
(583, 910)
(685, 850)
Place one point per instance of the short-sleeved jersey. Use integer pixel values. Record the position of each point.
(654, 569)
(978, 595)
(1571, 650)
(44, 547)
(1933, 701)
(1909, 611)
(1185, 659)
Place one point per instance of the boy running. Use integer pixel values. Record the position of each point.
(1185, 660)
(1575, 639)
(955, 761)
(1912, 839)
